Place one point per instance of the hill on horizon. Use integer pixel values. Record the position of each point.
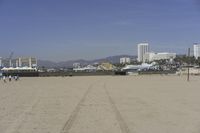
(111, 59)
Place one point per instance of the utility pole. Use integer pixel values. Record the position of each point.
(188, 74)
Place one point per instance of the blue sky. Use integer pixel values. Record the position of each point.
(87, 29)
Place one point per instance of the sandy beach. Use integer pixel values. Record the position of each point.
(101, 104)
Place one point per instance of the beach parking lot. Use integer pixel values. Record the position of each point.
(101, 104)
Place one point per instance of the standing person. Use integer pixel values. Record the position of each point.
(4, 79)
(10, 77)
(15, 77)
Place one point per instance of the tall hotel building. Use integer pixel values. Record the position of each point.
(196, 50)
(142, 49)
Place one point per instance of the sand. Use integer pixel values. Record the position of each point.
(104, 104)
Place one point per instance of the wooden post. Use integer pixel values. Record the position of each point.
(188, 74)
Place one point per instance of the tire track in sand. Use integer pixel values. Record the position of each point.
(123, 126)
(74, 114)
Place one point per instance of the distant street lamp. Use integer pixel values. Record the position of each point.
(188, 74)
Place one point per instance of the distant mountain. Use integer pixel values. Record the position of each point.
(111, 59)
(115, 59)
(46, 63)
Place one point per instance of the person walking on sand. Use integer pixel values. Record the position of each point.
(16, 78)
(4, 79)
(10, 78)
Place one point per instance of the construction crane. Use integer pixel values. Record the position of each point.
(10, 59)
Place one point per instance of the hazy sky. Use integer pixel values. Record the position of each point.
(88, 29)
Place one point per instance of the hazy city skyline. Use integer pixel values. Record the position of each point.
(60, 30)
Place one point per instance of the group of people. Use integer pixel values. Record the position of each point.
(16, 78)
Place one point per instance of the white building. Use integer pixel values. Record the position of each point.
(125, 60)
(142, 49)
(76, 65)
(19, 62)
(151, 56)
(26, 62)
(88, 68)
(148, 57)
(196, 50)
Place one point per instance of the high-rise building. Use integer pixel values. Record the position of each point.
(142, 49)
(196, 50)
